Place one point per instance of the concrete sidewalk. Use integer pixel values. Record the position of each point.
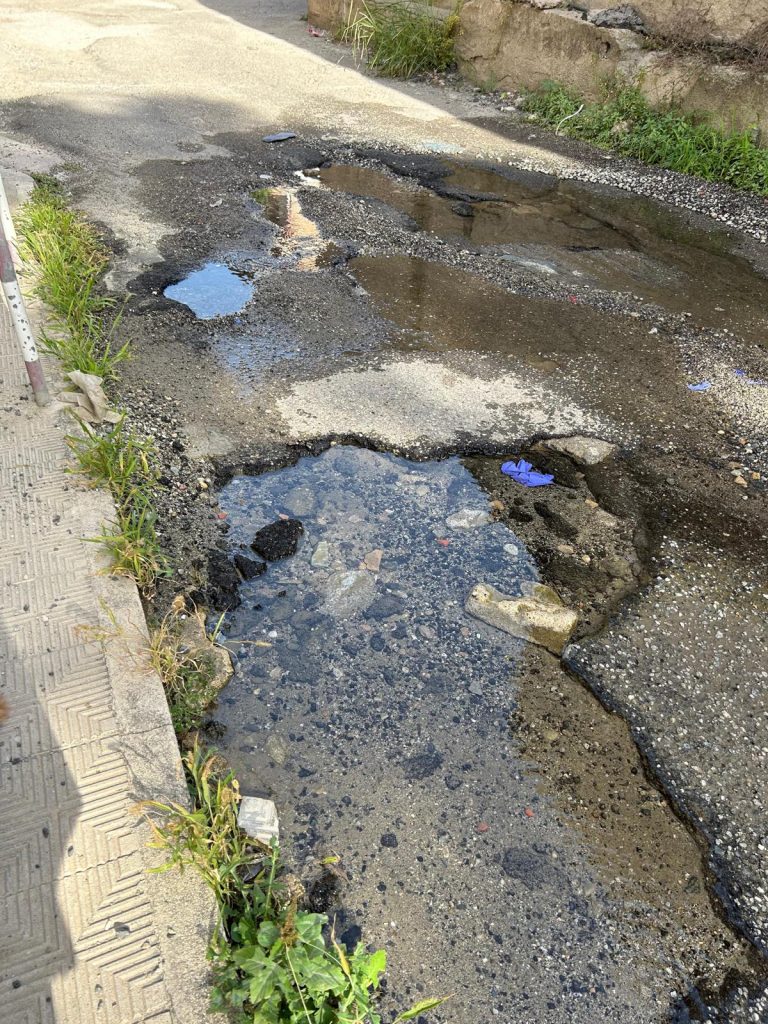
(86, 935)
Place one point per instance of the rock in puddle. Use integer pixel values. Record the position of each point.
(349, 592)
(467, 518)
(539, 616)
(278, 540)
(249, 568)
(372, 560)
(321, 556)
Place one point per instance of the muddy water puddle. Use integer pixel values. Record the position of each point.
(377, 714)
(564, 232)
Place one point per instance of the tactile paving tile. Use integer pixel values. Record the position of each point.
(78, 943)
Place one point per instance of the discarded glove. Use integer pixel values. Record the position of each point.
(523, 473)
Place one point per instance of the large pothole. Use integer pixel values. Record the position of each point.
(496, 830)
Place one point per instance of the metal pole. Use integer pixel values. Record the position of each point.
(16, 307)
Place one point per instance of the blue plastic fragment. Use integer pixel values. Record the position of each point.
(279, 137)
(704, 386)
(750, 380)
(740, 373)
(524, 473)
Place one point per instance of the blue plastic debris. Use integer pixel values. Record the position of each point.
(750, 380)
(704, 386)
(279, 137)
(524, 473)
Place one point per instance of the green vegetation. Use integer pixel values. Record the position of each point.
(261, 195)
(623, 121)
(131, 539)
(187, 673)
(399, 41)
(113, 458)
(272, 962)
(70, 260)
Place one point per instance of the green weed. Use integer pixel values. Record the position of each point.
(261, 195)
(70, 260)
(273, 963)
(623, 121)
(187, 674)
(132, 542)
(113, 458)
(399, 41)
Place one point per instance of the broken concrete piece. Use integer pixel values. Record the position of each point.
(539, 616)
(258, 819)
(587, 451)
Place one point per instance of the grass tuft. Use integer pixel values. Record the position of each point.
(70, 260)
(623, 121)
(273, 962)
(399, 41)
(188, 674)
(131, 540)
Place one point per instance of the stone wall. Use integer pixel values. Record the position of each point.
(518, 44)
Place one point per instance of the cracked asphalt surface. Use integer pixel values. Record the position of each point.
(410, 309)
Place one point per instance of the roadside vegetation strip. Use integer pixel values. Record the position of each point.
(623, 121)
(400, 41)
(273, 962)
(69, 260)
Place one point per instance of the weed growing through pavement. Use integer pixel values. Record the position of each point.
(400, 41)
(113, 458)
(188, 673)
(70, 260)
(623, 121)
(273, 963)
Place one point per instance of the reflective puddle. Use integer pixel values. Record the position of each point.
(212, 291)
(563, 231)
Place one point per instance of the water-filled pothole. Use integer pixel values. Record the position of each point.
(212, 291)
(565, 232)
(375, 712)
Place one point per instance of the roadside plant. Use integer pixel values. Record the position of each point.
(131, 540)
(187, 671)
(623, 121)
(399, 40)
(113, 457)
(70, 261)
(273, 962)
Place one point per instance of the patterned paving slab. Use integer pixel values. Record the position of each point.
(85, 935)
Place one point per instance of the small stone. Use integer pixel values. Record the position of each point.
(349, 592)
(566, 549)
(276, 749)
(512, 550)
(258, 819)
(389, 839)
(740, 481)
(590, 503)
(321, 556)
(586, 559)
(467, 518)
(278, 540)
(372, 560)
